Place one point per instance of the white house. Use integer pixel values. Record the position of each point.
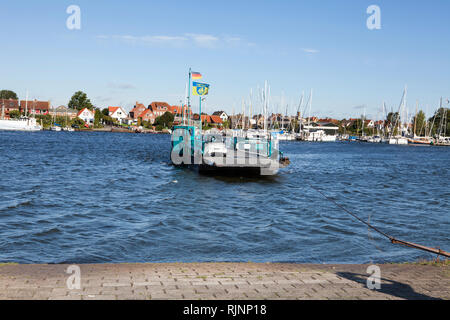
(221, 114)
(118, 113)
(86, 115)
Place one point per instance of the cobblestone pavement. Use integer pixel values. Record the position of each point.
(224, 281)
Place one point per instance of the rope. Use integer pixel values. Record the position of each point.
(392, 239)
(352, 214)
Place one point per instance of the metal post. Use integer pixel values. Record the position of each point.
(200, 113)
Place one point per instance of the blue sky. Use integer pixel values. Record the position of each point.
(142, 50)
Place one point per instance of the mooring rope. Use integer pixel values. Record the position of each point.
(393, 240)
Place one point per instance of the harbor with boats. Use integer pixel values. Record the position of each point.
(301, 157)
(54, 209)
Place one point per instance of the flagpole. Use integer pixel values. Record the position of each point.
(200, 112)
(189, 92)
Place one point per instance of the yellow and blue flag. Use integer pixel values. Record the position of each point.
(200, 89)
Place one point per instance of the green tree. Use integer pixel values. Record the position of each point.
(78, 122)
(146, 124)
(14, 114)
(392, 118)
(105, 112)
(206, 126)
(166, 120)
(442, 115)
(46, 120)
(419, 123)
(356, 126)
(8, 94)
(108, 120)
(98, 118)
(80, 101)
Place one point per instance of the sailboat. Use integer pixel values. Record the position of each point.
(55, 126)
(441, 139)
(399, 139)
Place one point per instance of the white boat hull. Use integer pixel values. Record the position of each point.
(401, 141)
(287, 137)
(20, 125)
(327, 138)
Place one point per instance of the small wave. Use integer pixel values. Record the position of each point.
(48, 232)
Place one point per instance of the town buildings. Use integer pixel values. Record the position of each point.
(213, 121)
(63, 111)
(29, 106)
(35, 107)
(142, 115)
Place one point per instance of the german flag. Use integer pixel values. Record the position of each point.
(196, 75)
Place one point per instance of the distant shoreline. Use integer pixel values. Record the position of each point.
(116, 130)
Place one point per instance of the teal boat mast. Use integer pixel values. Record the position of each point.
(200, 115)
(189, 96)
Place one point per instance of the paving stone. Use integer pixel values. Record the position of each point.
(225, 281)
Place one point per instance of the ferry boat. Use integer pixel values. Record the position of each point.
(240, 152)
(226, 154)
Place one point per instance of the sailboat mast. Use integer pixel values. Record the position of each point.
(243, 115)
(310, 106)
(265, 106)
(26, 104)
(363, 120)
(441, 123)
(299, 114)
(415, 118)
(249, 114)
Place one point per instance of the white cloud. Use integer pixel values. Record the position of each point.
(309, 50)
(203, 40)
(192, 39)
(159, 39)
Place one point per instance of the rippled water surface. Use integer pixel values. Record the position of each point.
(112, 197)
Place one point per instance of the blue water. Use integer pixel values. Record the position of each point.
(111, 197)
